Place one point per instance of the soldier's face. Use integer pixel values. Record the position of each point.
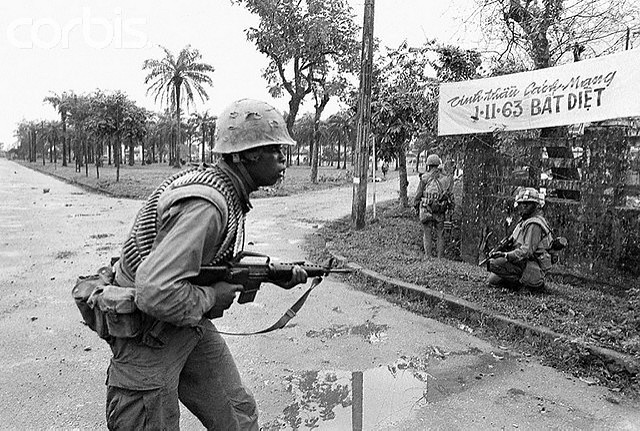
(268, 166)
(525, 209)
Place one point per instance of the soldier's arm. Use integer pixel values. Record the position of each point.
(187, 228)
(525, 251)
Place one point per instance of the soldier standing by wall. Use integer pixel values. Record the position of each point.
(432, 200)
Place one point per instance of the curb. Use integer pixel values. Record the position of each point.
(611, 359)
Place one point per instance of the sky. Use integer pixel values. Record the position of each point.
(78, 45)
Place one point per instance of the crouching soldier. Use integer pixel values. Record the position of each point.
(525, 263)
(194, 218)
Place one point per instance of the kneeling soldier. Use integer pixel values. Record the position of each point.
(529, 259)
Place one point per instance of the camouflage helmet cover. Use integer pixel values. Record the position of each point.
(529, 194)
(247, 124)
(434, 160)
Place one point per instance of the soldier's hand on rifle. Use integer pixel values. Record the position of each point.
(225, 294)
(497, 255)
(298, 276)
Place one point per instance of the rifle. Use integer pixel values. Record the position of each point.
(252, 269)
(505, 244)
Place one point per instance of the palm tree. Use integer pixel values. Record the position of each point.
(341, 129)
(303, 135)
(169, 76)
(50, 134)
(62, 103)
(206, 123)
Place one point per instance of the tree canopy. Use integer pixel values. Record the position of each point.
(175, 79)
(308, 43)
(533, 35)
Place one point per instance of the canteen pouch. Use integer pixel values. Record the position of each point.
(82, 291)
(117, 305)
(108, 310)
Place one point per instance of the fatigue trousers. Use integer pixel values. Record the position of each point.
(428, 227)
(146, 379)
(528, 273)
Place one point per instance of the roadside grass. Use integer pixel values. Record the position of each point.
(138, 182)
(598, 313)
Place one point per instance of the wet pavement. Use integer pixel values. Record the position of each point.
(348, 360)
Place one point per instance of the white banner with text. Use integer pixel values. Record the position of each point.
(590, 90)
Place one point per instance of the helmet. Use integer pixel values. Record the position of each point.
(433, 160)
(529, 194)
(247, 124)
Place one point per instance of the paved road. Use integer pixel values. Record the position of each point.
(347, 356)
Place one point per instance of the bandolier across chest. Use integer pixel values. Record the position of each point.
(145, 228)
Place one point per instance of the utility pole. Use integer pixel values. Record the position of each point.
(361, 167)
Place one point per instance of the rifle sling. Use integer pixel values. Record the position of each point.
(286, 317)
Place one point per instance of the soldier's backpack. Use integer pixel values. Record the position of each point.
(435, 199)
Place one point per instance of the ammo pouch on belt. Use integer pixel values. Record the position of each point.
(108, 310)
(425, 212)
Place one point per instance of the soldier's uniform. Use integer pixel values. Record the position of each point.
(529, 260)
(435, 219)
(194, 218)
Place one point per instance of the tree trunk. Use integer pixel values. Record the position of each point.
(314, 157)
(30, 145)
(131, 152)
(314, 139)
(177, 163)
(63, 119)
(344, 165)
(204, 141)
(85, 154)
(55, 151)
(116, 156)
(142, 144)
(212, 134)
(294, 107)
(402, 177)
(98, 159)
(75, 154)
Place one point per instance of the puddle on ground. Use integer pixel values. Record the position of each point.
(376, 398)
(371, 332)
(382, 397)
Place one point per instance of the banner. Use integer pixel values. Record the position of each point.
(590, 90)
